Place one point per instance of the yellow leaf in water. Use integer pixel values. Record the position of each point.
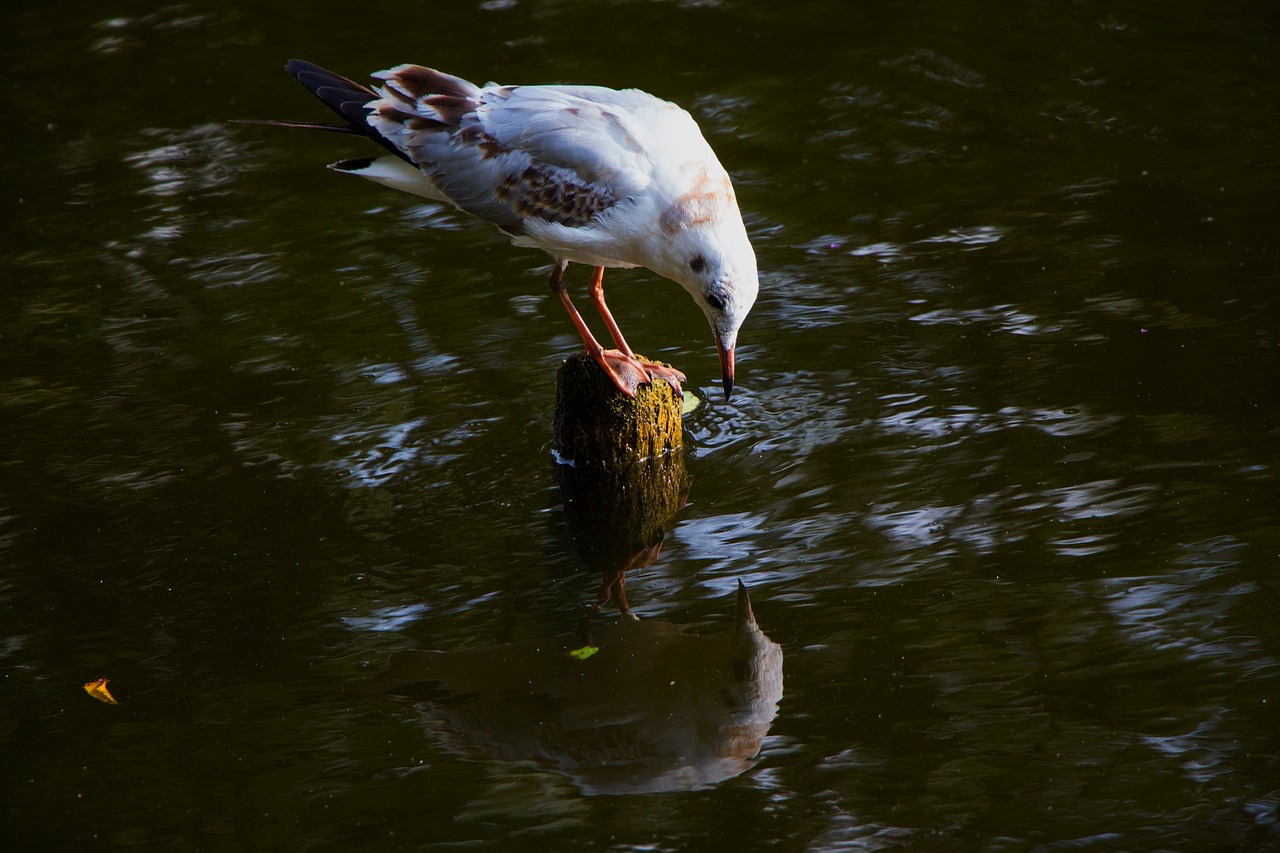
(689, 403)
(98, 690)
(584, 652)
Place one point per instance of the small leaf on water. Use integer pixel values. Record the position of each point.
(583, 653)
(98, 690)
(689, 403)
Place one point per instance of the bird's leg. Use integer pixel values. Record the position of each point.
(654, 370)
(623, 369)
(614, 585)
(620, 593)
(597, 296)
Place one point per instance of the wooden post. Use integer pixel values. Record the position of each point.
(622, 476)
(597, 425)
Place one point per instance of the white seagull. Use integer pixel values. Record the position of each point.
(588, 174)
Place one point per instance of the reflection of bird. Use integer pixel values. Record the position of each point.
(654, 708)
(591, 175)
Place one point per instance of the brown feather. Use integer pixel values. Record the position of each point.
(450, 107)
(420, 82)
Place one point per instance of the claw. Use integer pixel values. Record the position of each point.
(669, 375)
(628, 372)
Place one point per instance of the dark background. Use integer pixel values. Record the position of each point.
(1000, 470)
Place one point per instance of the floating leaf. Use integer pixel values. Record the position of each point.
(583, 653)
(98, 690)
(689, 403)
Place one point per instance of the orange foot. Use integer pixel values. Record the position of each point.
(669, 375)
(629, 372)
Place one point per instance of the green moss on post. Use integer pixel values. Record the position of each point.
(627, 476)
(597, 424)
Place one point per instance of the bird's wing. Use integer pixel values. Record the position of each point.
(595, 133)
(507, 154)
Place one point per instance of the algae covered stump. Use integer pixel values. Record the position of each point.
(622, 474)
(596, 424)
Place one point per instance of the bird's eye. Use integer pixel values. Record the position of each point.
(715, 302)
(697, 263)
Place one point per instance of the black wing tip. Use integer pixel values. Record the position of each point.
(315, 77)
(345, 97)
(298, 66)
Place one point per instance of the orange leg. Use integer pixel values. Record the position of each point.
(623, 369)
(653, 370)
(597, 296)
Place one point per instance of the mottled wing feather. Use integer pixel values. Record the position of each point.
(416, 81)
(509, 153)
(578, 128)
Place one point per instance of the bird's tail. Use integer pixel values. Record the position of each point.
(345, 97)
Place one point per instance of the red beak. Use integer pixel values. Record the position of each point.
(726, 369)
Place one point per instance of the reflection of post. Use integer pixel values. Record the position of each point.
(622, 475)
(617, 515)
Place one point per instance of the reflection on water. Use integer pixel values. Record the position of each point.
(618, 515)
(646, 708)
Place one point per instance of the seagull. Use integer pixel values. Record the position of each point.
(590, 175)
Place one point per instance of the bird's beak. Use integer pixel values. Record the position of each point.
(726, 368)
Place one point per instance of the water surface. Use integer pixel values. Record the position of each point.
(999, 473)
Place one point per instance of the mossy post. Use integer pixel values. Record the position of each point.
(598, 425)
(623, 475)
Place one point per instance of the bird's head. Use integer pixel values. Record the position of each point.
(717, 266)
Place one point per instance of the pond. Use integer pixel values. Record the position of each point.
(999, 473)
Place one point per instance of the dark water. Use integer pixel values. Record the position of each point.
(1000, 473)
